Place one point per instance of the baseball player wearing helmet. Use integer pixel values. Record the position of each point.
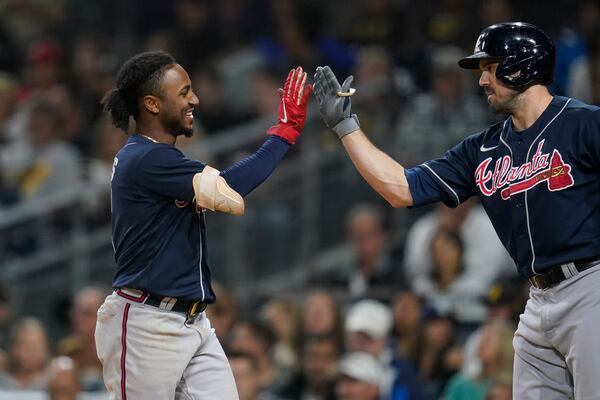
(152, 335)
(537, 176)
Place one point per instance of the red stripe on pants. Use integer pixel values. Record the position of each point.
(124, 350)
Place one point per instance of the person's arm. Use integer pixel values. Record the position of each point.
(448, 179)
(247, 174)
(382, 173)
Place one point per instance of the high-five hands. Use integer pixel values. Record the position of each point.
(292, 108)
(334, 102)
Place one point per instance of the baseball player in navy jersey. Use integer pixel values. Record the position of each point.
(537, 174)
(152, 335)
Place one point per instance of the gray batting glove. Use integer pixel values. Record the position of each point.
(334, 102)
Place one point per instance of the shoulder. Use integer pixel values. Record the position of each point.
(147, 154)
(484, 140)
(578, 109)
(581, 118)
(490, 136)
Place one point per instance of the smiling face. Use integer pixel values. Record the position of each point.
(500, 97)
(177, 102)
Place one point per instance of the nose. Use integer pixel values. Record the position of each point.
(194, 100)
(484, 79)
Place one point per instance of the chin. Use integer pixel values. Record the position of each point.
(184, 131)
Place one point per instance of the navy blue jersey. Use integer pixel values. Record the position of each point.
(540, 187)
(158, 235)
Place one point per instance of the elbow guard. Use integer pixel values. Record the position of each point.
(213, 193)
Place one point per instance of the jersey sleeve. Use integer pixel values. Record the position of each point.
(246, 175)
(448, 179)
(167, 172)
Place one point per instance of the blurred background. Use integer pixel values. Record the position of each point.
(324, 291)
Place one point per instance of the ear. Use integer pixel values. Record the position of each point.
(151, 104)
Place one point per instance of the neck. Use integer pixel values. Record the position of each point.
(532, 103)
(155, 132)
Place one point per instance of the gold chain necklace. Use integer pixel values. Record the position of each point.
(149, 138)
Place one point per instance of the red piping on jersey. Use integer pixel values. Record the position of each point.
(124, 351)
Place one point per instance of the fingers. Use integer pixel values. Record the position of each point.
(347, 83)
(301, 88)
(318, 90)
(322, 80)
(332, 83)
(288, 81)
(296, 90)
(293, 89)
(319, 78)
(295, 85)
(320, 85)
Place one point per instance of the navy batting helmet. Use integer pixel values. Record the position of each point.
(525, 54)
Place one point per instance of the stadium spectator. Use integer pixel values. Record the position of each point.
(446, 288)
(496, 354)
(63, 382)
(282, 317)
(317, 375)
(369, 267)
(80, 345)
(321, 315)
(28, 355)
(246, 373)
(56, 165)
(361, 377)
(407, 311)
(485, 259)
(257, 339)
(437, 353)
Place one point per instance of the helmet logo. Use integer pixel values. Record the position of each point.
(479, 45)
(516, 75)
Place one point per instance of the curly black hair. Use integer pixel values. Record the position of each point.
(141, 75)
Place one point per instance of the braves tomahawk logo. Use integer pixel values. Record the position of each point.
(512, 180)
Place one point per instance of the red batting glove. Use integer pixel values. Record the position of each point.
(292, 109)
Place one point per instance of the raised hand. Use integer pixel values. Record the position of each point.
(334, 102)
(292, 108)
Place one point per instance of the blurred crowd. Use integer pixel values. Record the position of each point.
(58, 58)
(431, 320)
(428, 317)
(368, 334)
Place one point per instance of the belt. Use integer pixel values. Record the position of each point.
(190, 307)
(556, 275)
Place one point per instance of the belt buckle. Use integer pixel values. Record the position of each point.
(535, 281)
(195, 309)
